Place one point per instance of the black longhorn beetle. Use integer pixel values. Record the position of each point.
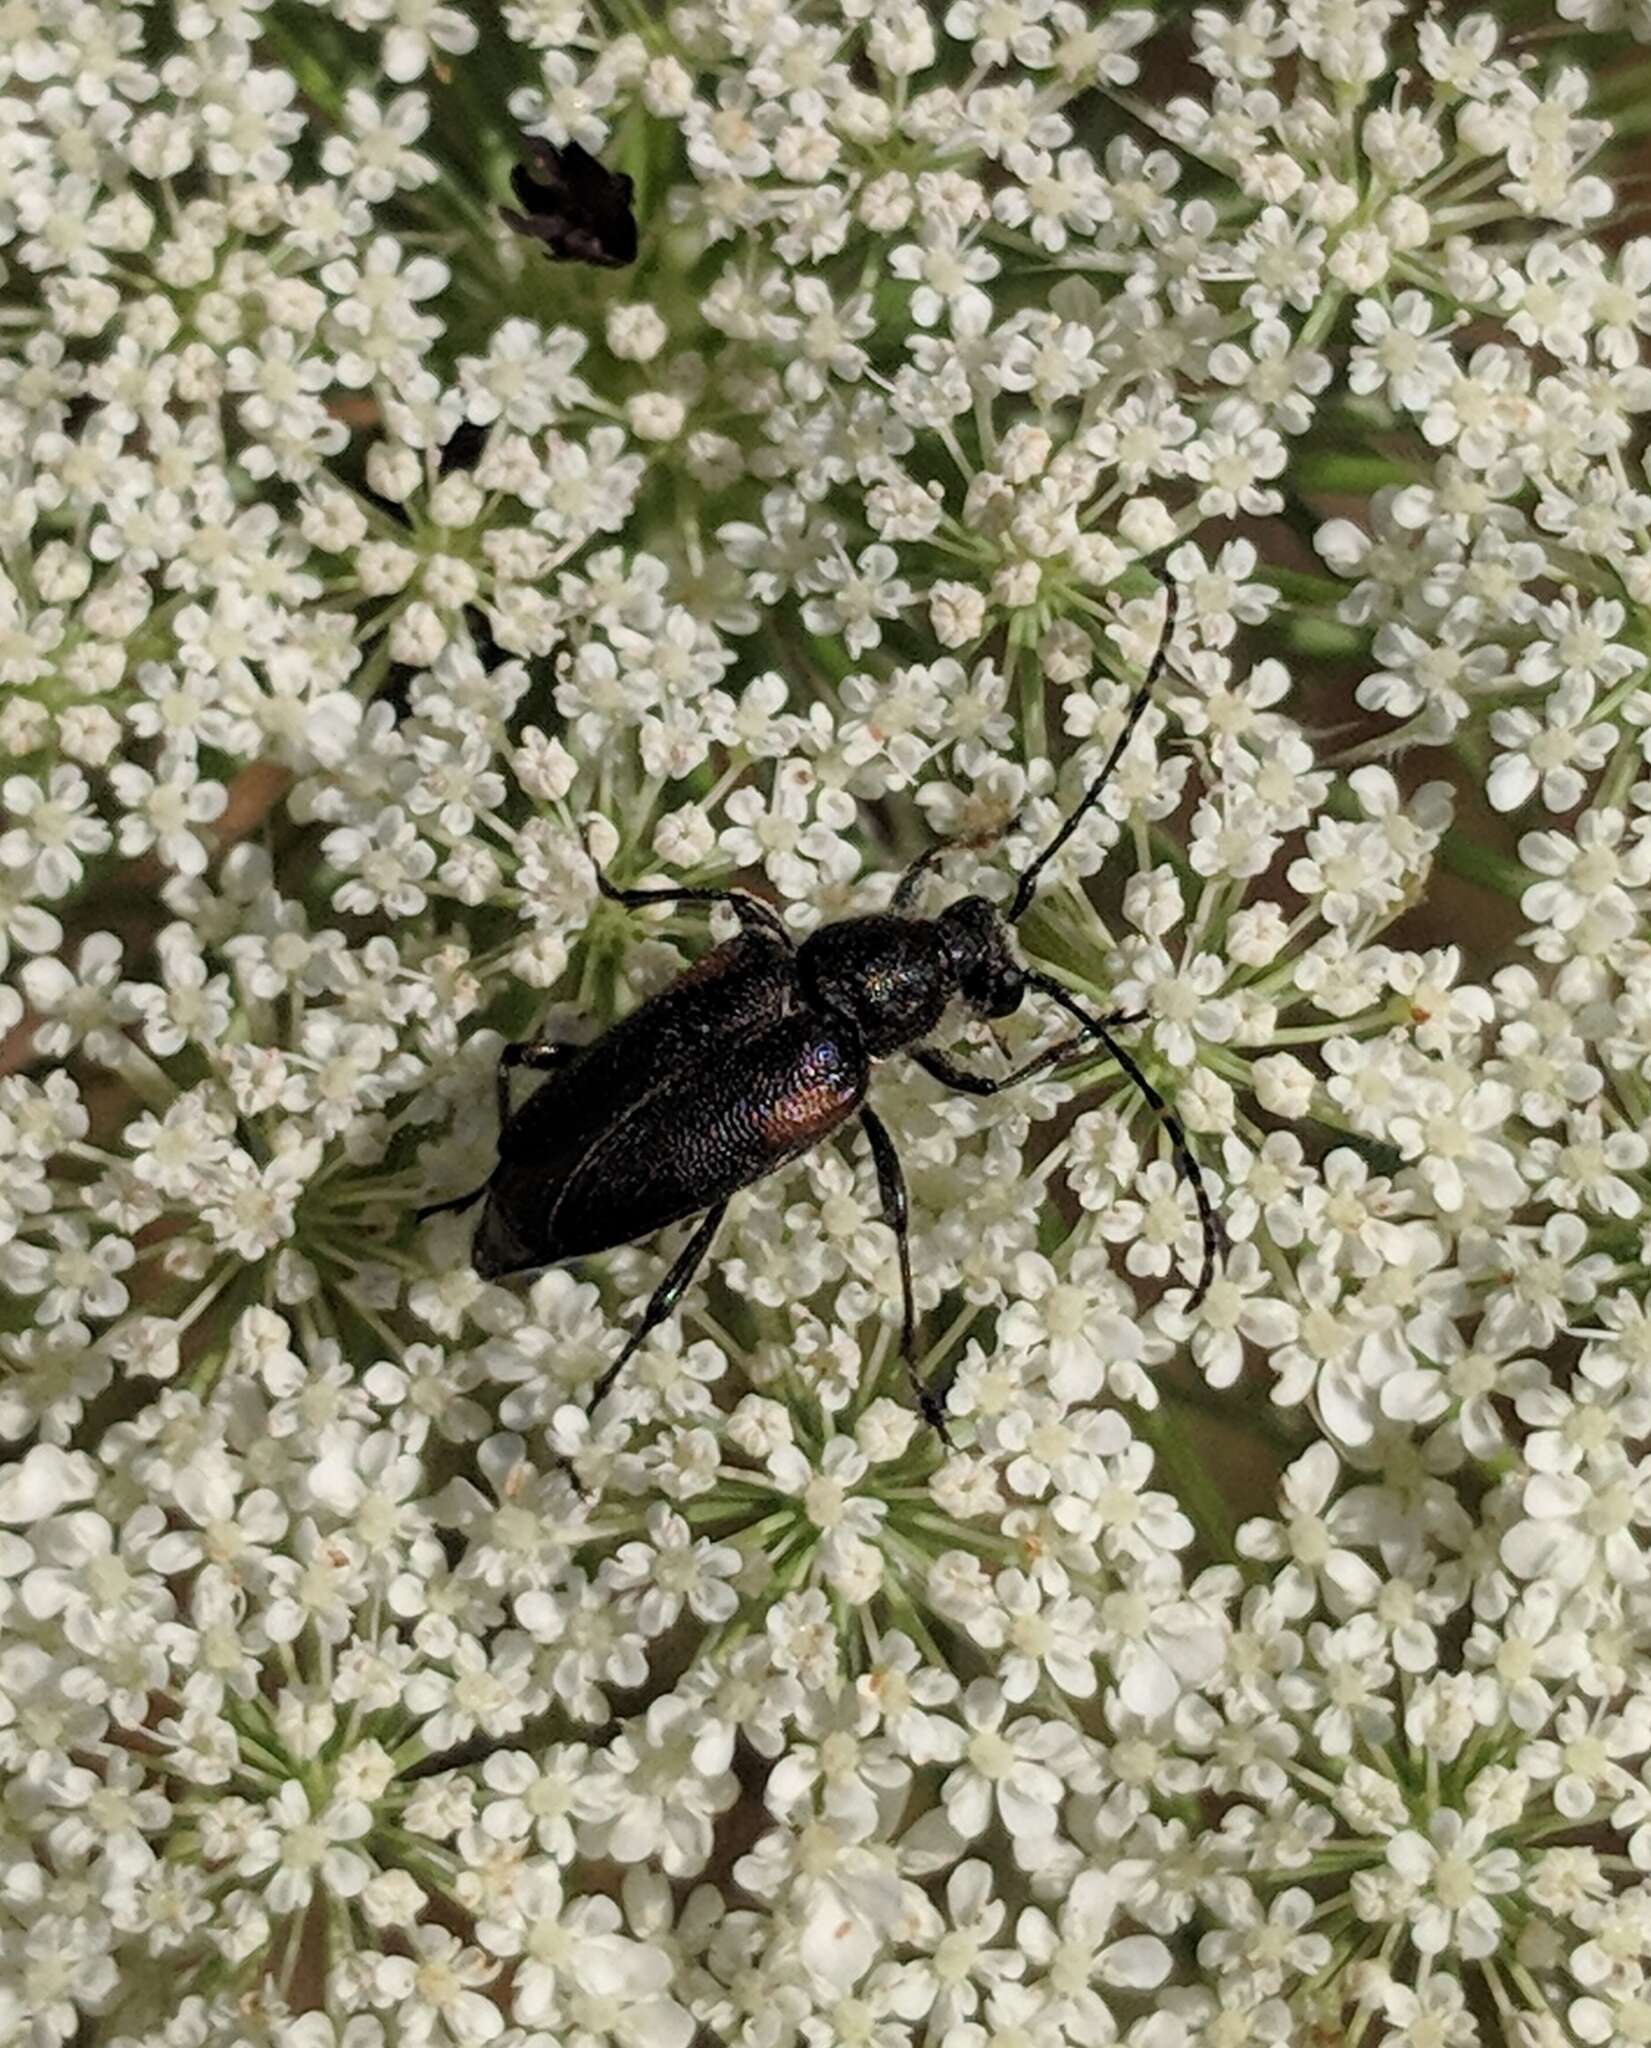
(757, 1053)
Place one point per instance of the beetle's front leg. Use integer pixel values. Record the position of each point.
(665, 1298)
(891, 1187)
(905, 893)
(949, 1074)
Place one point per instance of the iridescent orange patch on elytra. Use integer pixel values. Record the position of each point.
(712, 966)
(804, 1114)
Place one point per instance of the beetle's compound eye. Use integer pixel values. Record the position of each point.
(989, 978)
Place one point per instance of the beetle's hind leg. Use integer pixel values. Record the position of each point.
(452, 1206)
(538, 1055)
(665, 1298)
(891, 1187)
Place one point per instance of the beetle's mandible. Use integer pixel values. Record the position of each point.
(757, 1053)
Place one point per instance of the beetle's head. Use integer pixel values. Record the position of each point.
(989, 977)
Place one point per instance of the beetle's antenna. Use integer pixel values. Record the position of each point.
(1092, 795)
(1191, 1172)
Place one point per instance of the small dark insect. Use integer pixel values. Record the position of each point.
(462, 448)
(574, 204)
(754, 1055)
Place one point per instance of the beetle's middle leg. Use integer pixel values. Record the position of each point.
(752, 912)
(891, 1186)
(665, 1298)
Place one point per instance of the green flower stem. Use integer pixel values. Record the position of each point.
(1478, 863)
(1195, 1488)
(1250, 1417)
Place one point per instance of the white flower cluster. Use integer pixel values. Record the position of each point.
(1265, 1667)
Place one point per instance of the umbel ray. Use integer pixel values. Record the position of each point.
(757, 1053)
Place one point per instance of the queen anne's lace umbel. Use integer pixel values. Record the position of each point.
(1274, 1669)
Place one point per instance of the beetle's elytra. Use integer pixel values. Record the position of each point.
(755, 1054)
